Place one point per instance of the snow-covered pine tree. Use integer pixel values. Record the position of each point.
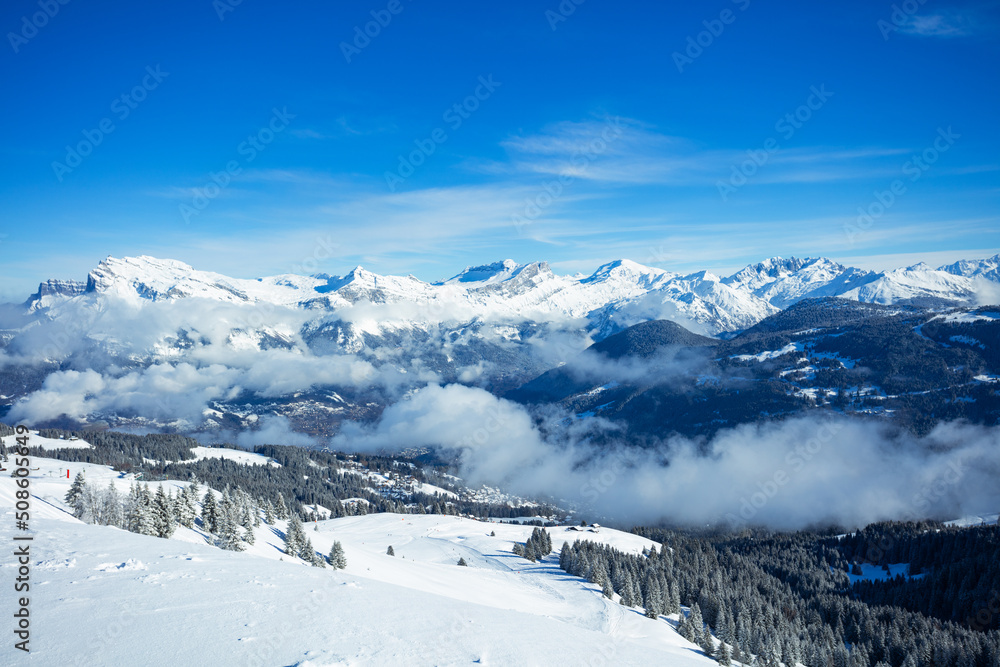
(724, 657)
(294, 536)
(230, 534)
(564, 555)
(144, 523)
(653, 598)
(246, 508)
(162, 514)
(112, 509)
(129, 506)
(209, 512)
(269, 517)
(693, 625)
(88, 505)
(461, 561)
(675, 598)
(390, 551)
(185, 507)
(75, 489)
(337, 558)
(309, 555)
(281, 511)
(706, 643)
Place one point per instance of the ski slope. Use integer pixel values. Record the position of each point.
(237, 455)
(100, 595)
(35, 440)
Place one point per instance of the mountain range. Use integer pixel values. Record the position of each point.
(615, 293)
(155, 343)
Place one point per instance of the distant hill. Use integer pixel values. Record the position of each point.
(907, 364)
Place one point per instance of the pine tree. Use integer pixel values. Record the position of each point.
(112, 512)
(675, 599)
(228, 525)
(337, 558)
(269, 517)
(294, 536)
(309, 554)
(185, 506)
(141, 519)
(281, 511)
(724, 657)
(163, 515)
(461, 561)
(693, 625)
(706, 643)
(390, 551)
(88, 503)
(209, 512)
(75, 490)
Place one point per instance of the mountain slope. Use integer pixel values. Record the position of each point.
(911, 365)
(100, 595)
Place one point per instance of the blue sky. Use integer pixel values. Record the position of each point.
(683, 135)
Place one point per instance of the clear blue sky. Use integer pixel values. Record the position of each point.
(640, 137)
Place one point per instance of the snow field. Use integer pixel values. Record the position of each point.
(101, 595)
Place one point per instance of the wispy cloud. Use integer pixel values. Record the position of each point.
(942, 24)
(342, 127)
(634, 153)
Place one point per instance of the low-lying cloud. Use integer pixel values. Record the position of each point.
(791, 474)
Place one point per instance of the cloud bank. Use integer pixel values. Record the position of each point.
(792, 474)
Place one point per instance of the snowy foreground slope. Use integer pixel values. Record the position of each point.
(104, 596)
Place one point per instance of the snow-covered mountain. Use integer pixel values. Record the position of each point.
(507, 291)
(154, 343)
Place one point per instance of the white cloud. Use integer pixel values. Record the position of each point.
(942, 24)
(790, 474)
